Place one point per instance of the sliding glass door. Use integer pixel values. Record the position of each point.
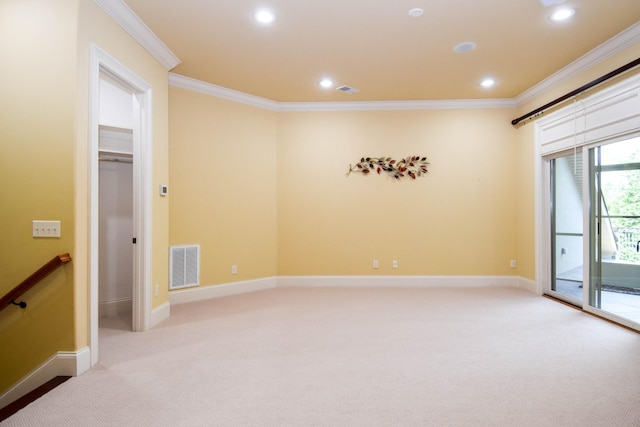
(595, 246)
(567, 227)
(614, 230)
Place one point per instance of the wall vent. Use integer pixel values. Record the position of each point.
(184, 265)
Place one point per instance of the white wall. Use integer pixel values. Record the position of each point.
(113, 94)
(569, 218)
(116, 232)
(115, 294)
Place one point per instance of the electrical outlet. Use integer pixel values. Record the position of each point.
(376, 264)
(234, 269)
(46, 228)
(156, 290)
(512, 263)
(395, 263)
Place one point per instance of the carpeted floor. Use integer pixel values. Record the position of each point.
(358, 357)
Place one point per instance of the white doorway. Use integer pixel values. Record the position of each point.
(126, 109)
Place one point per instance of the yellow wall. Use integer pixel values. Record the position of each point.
(223, 185)
(44, 112)
(37, 89)
(473, 213)
(458, 220)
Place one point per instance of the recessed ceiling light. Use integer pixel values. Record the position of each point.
(562, 14)
(416, 12)
(326, 83)
(488, 82)
(464, 47)
(264, 16)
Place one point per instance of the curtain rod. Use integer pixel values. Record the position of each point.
(581, 89)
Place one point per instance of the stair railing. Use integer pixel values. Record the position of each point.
(31, 281)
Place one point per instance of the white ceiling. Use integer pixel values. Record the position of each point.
(376, 47)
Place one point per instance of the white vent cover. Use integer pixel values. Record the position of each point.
(347, 89)
(184, 265)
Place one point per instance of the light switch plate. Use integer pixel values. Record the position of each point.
(46, 228)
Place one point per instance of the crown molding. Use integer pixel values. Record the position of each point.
(176, 80)
(611, 47)
(448, 104)
(132, 24)
(179, 81)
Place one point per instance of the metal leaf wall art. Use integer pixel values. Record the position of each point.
(412, 166)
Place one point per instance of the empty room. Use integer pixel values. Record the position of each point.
(285, 213)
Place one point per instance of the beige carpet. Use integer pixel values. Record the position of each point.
(359, 357)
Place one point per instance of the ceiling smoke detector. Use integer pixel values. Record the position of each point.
(415, 13)
(465, 47)
(347, 89)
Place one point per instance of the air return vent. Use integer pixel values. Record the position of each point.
(184, 265)
(347, 89)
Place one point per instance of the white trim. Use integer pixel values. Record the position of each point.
(399, 281)
(528, 285)
(236, 288)
(109, 308)
(160, 314)
(217, 291)
(449, 104)
(63, 363)
(132, 24)
(614, 45)
(183, 82)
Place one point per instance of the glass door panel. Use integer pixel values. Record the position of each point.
(614, 247)
(567, 227)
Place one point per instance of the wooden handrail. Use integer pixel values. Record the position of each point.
(32, 280)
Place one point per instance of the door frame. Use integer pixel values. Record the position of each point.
(101, 61)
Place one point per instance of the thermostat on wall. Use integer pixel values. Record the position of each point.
(164, 189)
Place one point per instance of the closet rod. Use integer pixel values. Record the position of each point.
(581, 89)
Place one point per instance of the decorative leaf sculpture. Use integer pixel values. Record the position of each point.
(412, 166)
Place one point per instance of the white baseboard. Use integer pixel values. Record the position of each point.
(63, 363)
(217, 291)
(400, 281)
(113, 308)
(529, 285)
(160, 314)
